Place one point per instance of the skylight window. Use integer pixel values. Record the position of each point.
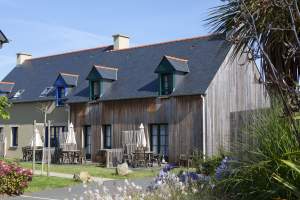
(46, 91)
(18, 93)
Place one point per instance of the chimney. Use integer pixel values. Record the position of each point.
(22, 57)
(120, 42)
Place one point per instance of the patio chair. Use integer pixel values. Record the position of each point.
(82, 157)
(140, 158)
(128, 153)
(185, 160)
(24, 152)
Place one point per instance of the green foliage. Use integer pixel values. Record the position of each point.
(270, 170)
(4, 105)
(208, 166)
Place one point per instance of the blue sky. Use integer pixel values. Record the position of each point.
(43, 27)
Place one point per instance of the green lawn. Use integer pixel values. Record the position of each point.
(39, 183)
(95, 170)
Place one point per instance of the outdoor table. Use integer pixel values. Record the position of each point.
(38, 154)
(112, 156)
(70, 155)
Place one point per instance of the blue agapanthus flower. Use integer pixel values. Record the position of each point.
(169, 167)
(223, 169)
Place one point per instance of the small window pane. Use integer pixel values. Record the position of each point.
(154, 140)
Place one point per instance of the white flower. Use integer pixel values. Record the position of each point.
(126, 182)
(119, 189)
(105, 189)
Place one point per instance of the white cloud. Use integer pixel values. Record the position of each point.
(41, 39)
(44, 38)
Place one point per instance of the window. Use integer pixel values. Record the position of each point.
(46, 91)
(18, 93)
(166, 84)
(60, 94)
(14, 136)
(56, 134)
(95, 90)
(87, 142)
(1, 135)
(107, 136)
(159, 139)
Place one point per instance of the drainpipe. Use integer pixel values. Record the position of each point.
(203, 126)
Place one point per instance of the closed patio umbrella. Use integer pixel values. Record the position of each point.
(71, 135)
(38, 139)
(142, 138)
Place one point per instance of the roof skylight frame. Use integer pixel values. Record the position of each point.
(18, 93)
(46, 91)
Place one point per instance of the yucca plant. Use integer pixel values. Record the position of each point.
(270, 169)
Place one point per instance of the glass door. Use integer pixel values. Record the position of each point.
(87, 142)
(160, 139)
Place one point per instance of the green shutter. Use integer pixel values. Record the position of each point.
(173, 82)
(160, 84)
(91, 89)
(100, 88)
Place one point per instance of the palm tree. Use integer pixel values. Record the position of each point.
(269, 30)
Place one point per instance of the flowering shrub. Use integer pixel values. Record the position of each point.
(166, 186)
(223, 170)
(13, 179)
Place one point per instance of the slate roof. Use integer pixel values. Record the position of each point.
(6, 87)
(3, 38)
(136, 66)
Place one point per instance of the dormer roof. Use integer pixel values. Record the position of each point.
(102, 72)
(3, 38)
(171, 64)
(66, 80)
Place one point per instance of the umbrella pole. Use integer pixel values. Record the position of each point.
(33, 152)
(49, 153)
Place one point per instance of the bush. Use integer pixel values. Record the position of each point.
(13, 179)
(270, 169)
(208, 165)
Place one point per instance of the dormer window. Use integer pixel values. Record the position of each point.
(95, 89)
(63, 87)
(171, 71)
(100, 79)
(166, 82)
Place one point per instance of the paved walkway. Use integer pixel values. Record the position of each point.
(77, 191)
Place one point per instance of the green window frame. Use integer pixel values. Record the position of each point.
(95, 89)
(166, 84)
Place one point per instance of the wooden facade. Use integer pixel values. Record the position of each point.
(235, 88)
(183, 115)
(207, 122)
